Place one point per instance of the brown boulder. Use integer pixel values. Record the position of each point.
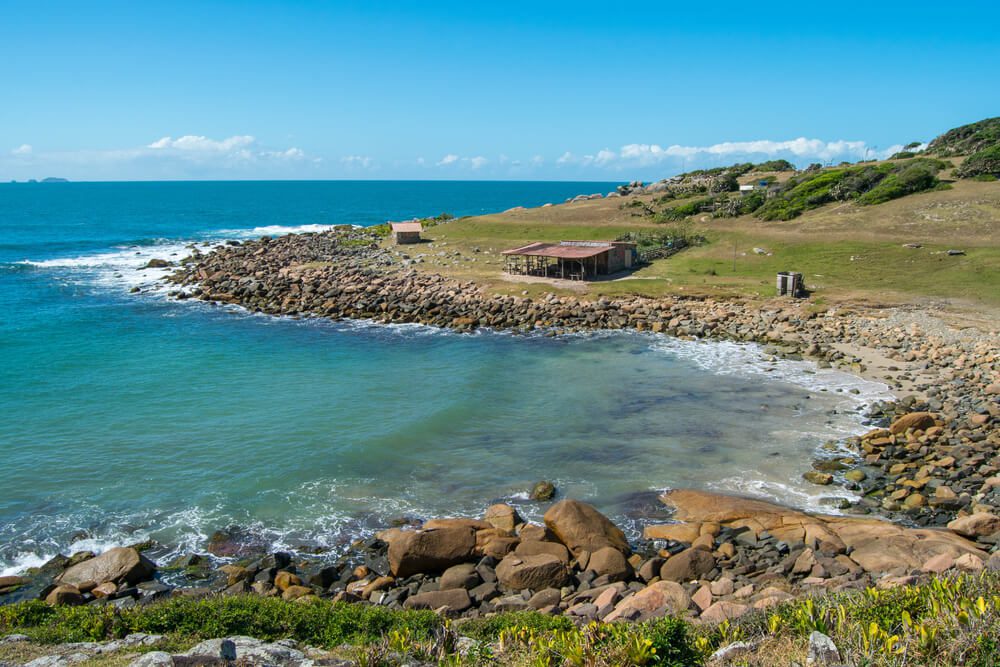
(534, 548)
(678, 532)
(530, 532)
(688, 565)
(475, 524)
(532, 572)
(64, 595)
(581, 527)
(975, 525)
(117, 565)
(724, 610)
(8, 584)
(284, 580)
(503, 517)
(609, 561)
(426, 551)
(463, 575)
(105, 589)
(877, 546)
(295, 592)
(918, 421)
(657, 599)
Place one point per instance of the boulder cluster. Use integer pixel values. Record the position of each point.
(725, 557)
(930, 470)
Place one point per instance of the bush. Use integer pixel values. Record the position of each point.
(967, 139)
(489, 628)
(912, 178)
(984, 163)
(673, 641)
(775, 165)
(319, 623)
(866, 184)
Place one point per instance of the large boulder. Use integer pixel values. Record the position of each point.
(688, 565)
(878, 546)
(975, 525)
(657, 599)
(502, 517)
(117, 565)
(534, 548)
(64, 595)
(918, 421)
(582, 528)
(532, 572)
(429, 551)
(611, 562)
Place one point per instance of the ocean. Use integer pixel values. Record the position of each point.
(131, 417)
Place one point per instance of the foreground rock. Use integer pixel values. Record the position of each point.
(582, 528)
(121, 564)
(843, 543)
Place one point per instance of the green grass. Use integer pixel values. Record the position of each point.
(951, 620)
(318, 623)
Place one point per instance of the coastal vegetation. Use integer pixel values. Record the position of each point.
(946, 620)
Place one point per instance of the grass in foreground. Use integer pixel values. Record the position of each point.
(947, 621)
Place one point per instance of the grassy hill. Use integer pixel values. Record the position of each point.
(851, 247)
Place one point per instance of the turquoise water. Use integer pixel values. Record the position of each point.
(132, 416)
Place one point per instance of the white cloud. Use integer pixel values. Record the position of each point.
(605, 156)
(477, 161)
(188, 156)
(800, 150)
(362, 161)
(537, 160)
(191, 142)
(450, 158)
(289, 154)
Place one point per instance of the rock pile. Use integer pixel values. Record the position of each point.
(931, 470)
(728, 556)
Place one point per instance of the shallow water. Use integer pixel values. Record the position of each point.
(129, 417)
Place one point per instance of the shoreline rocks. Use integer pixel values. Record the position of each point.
(726, 556)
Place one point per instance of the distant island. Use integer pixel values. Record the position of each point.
(47, 179)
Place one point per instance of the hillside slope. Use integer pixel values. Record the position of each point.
(850, 248)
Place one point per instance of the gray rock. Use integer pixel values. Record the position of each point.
(248, 650)
(731, 652)
(822, 651)
(58, 660)
(10, 639)
(153, 659)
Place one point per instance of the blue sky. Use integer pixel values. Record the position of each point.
(465, 90)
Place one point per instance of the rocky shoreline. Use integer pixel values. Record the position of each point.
(933, 464)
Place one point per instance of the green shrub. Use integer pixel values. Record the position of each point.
(967, 139)
(489, 628)
(775, 165)
(984, 163)
(319, 623)
(673, 641)
(912, 178)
